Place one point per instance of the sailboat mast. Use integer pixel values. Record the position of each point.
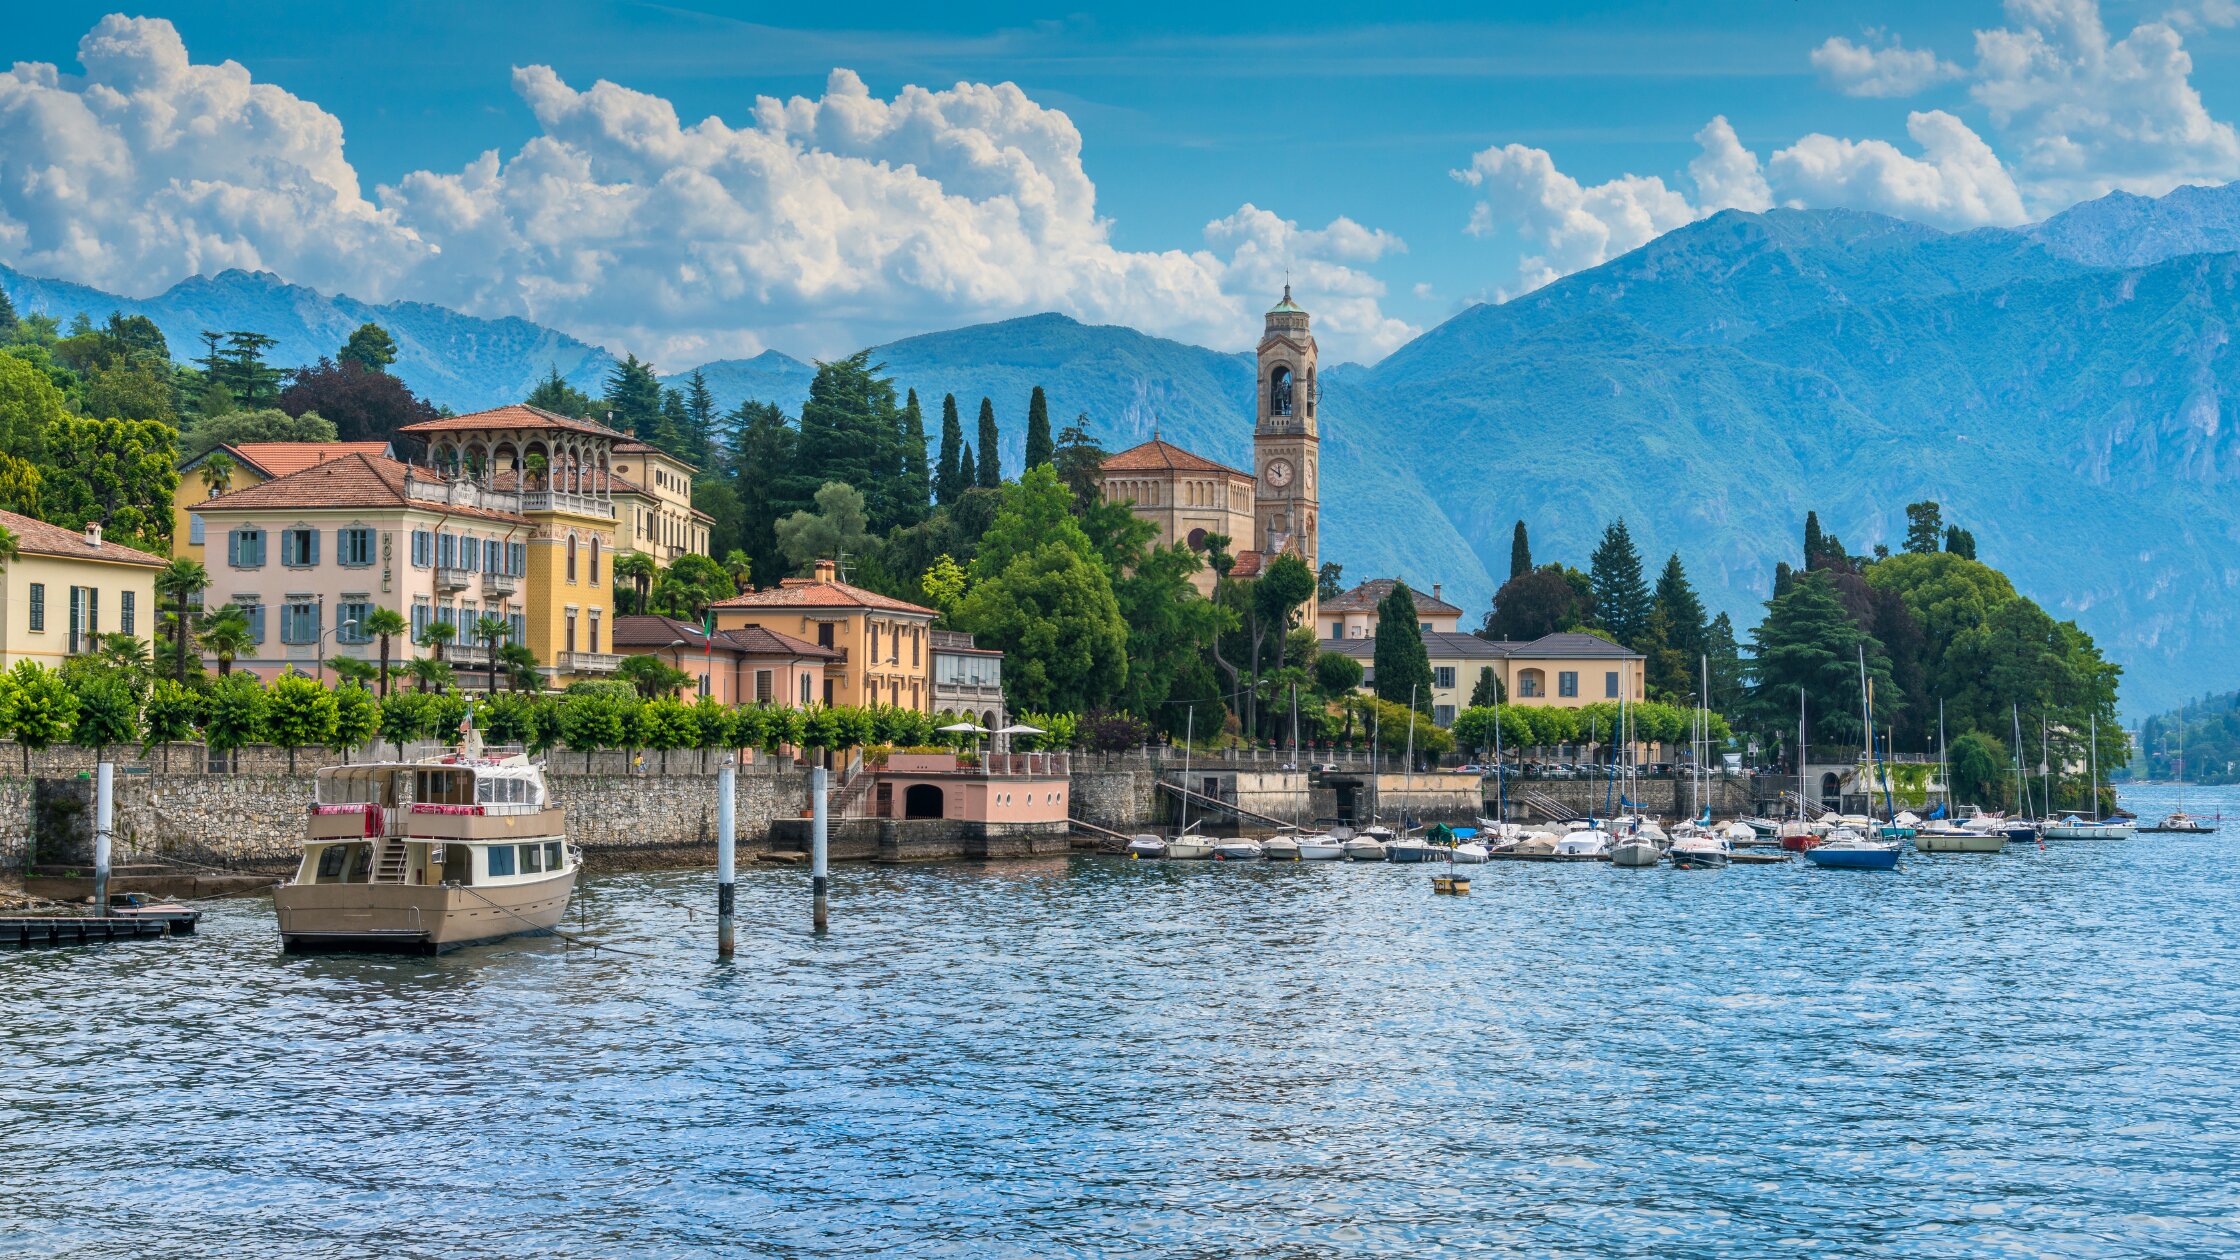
(2092, 759)
(1189, 732)
(1800, 754)
(2045, 762)
(1866, 726)
(1500, 774)
(1408, 782)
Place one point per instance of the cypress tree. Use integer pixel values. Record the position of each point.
(913, 482)
(947, 485)
(1403, 665)
(1815, 542)
(966, 477)
(1520, 553)
(1685, 627)
(1040, 449)
(990, 467)
(1621, 596)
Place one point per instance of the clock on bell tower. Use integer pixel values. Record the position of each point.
(1285, 448)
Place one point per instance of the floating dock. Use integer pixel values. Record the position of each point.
(24, 931)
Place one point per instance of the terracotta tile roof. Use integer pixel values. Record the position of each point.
(1439, 645)
(278, 459)
(810, 593)
(1159, 456)
(36, 537)
(1248, 565)
(636, 447)
(658, 632)
(593, 481)
(1366, 597)
(1571, 643)
(353, 481)
(758, 641)
(514, 416)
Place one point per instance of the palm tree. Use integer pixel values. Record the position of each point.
(640, 569)
(741, 568)
(521, 668)
(8, 546)
(125, 652)
(225, 634)
(490, 628)
(217, 472)
(183, 580)
(383, 624)
(350, 669)
(429, 673)
(437, 635)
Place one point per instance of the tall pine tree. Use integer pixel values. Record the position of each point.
(947, 483)
(1621, 595)
(633, 400)
(990, 468)
(967, 477)
(1520, 553)
(1040, 449)
(1676, 598)
(700, 418)
(760, 468)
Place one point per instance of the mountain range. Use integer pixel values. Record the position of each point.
(2065, 390)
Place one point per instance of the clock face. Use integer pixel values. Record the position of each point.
(1279, 473)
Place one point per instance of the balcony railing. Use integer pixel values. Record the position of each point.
(453, 578)
(562, 501)
(588, 662)
(500, 583)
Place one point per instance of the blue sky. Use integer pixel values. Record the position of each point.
(1344, 134)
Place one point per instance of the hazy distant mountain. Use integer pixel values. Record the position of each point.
(459, 360)
(2126, 230)
(767, 377)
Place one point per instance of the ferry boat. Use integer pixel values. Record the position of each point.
(424, 856)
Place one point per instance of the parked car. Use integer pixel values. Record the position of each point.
(1472, 768)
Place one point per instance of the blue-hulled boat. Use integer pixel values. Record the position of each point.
(1845, 849)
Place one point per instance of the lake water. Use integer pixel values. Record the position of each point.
(2023, 1055)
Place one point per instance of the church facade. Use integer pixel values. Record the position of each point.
(1265, 512)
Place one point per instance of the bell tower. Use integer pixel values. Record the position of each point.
(1286, 453)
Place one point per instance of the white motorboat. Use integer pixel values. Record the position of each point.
(1592, 842)
(1635, 850)
(2075, 828)
(1470, 853)
(1238, 850)
(1766, 828)
(1365, 848)
(1739, 832)
(1703, 849)
(1189, 848)
(1535, 844)
(1321, 848)
(1945, 837)
(1147, 846)
(1283, 847)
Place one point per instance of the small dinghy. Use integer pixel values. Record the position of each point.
(1283, 847)
(1238, 850)
(1846, 849)
(1147, 846)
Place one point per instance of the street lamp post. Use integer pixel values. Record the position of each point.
(320, 648)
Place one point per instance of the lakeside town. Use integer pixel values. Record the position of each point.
(1131, 635)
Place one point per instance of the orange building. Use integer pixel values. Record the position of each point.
(883, 644)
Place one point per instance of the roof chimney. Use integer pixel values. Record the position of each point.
(1435, 590)
(827, 571)
(93, 533)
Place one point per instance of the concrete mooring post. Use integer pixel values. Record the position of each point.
(727, 854)
(104, 803)
(817, 831)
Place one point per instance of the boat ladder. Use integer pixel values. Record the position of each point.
(393, 864)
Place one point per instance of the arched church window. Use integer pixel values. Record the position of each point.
(1279, 391)
(1313, 394)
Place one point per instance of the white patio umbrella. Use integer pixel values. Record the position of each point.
(963, 728)
(1018, 728)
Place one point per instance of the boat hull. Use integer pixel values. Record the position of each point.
(1364, 851)
(1321, 851)
(416, 918)
(1189, 850)
(2090, 831)
(1974, 842)
(1635, 853)
(1696, 859)
(1408, 853)
(1852, 859)
(1281, 851)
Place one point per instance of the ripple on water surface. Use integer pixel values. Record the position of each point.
(2022, 1055)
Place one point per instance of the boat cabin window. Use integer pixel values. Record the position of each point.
(334, 860)
(552, 858)
(502, 792)
(501, 860)
(458, 863)
(532, 859)
(443, 787)
(353, 786)
(361, 863)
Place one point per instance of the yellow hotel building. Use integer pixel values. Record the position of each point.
(65, 589)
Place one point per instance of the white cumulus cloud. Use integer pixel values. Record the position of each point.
(2088, 114)
(817, 224)
(1890, 69)
(1957, 182)
(1573, 225)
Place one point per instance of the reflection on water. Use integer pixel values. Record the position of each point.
(2022, 1055)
